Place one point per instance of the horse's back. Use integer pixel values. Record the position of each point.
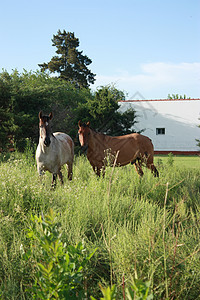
(145, 146)
(132, 140)
(64, 138)
(132, 146)
(142, 139)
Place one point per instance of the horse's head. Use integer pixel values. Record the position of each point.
(84, 134)
(45, 129)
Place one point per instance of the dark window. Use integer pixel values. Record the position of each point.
(160, 131)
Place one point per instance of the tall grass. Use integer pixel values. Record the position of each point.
(146, 228)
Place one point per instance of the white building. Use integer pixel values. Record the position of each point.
(171, 124)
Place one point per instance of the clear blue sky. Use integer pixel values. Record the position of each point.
(146, 46)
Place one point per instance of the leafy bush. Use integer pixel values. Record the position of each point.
(59, 269)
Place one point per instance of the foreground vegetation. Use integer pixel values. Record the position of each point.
(145, 229)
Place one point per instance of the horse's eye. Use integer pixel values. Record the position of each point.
(88, 133)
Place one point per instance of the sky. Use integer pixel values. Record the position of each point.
(146, 48)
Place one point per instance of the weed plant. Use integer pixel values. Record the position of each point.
(59, 269)
(146, 226)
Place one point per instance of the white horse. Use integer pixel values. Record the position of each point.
(54, 150)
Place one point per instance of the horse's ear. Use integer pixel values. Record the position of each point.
(40, 115)
(79, 123)
(88, 124)
(50, 115)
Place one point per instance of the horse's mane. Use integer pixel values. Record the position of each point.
(100, 136)
(98, 132)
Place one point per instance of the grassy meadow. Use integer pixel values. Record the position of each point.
(146, 228)
(182, 161)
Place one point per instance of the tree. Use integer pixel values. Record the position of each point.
(22, 96)
(177, 96)
(6, 114)
(70, 64)
(102, 110)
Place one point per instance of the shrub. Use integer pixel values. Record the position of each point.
(59, 269)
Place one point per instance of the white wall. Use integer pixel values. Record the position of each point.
(180, 118)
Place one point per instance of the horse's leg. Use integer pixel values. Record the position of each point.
(40, 172)
(153, 169)
(98, 171)
(70, 173)
(60, 176)
(155, 172)
(138, 168)
(40, 175)
(54, 177)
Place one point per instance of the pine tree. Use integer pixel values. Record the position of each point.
(69, 63)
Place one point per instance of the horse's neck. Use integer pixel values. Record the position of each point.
(45, 149)
(99, 140)
(42, 146)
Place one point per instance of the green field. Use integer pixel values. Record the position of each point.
(146, 228)
(181, 160)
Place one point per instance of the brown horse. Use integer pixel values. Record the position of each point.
(54, 150)
(133, 148)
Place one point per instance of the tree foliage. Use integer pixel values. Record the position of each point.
(69, 63)
(102, 110)
(22, 96)
(177, 96)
